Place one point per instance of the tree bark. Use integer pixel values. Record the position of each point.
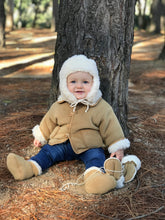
(2, 24)
(103, 31)
(55, 14)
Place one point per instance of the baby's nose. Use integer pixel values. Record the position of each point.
(79, 84)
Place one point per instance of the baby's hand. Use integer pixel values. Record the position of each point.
(119, 154)
(37, 143)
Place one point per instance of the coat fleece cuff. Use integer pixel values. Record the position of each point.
(38, 134)
(122, 144)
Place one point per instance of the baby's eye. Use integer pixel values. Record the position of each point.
(85, 82)
(73, 81)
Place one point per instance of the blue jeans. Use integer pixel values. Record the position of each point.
(49, 155)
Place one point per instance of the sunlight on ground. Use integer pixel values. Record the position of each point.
(28, 52)
(33, 40)
(43, 39)
(155, 74)
(24, 59)
(145, 50)
(38, 70)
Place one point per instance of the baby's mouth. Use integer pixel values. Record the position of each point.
(79, 92)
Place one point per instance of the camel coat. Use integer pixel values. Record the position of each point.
(96, 127)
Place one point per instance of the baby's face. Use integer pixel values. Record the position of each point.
(80, 84)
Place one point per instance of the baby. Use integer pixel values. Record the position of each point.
(80, 125)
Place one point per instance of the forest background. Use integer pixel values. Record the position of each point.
(149, 15)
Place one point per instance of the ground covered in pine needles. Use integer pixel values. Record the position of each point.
(25, 68)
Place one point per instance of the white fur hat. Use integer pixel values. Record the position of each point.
(74, 64)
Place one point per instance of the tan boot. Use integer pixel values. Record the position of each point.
(129, 171)
(131, 165)
(20, 168)
(113, 167)
(97, 182)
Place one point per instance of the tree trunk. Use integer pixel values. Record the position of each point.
(162, 54)
(142, 23)
(9, 16)
(156, 15)
(103, 31)
(2, 23)
(36, 14)
(19, 24)
(54, 25)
